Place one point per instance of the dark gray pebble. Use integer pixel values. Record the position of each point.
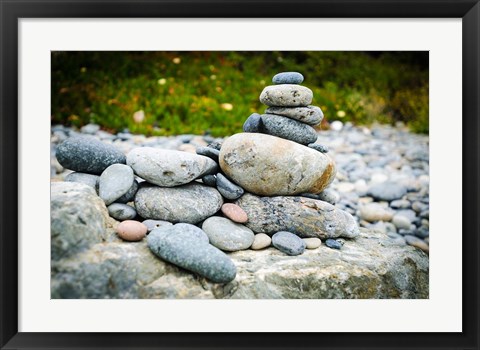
(210, 180)
(121, 212)
(331, 243)
(208, 152)
(289, 129)
(288, 243)
(228, 189)
(253, 123)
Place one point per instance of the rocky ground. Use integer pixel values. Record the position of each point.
(382, 180)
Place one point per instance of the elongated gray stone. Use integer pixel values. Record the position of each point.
(311, 115)
(189, 203)
(227, 235)
(302, 216)
(87, 179)
(228, 189)
(114, 182)
(169, 168)
(185, 249)
(121, 212)
(288, 78)
(286, 95)
(288, 129)
(268, 165)
(86, 154)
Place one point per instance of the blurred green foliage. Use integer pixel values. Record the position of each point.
(198, 92)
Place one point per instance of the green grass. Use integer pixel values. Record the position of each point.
(198, 92)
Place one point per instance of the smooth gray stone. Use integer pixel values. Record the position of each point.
(121, 212)
(311, 115)
(130, 195)
(253, 123)
(288, 243)
(154, 224)
(227, 235)
(211, 153)
(289, 129)
(78, 219)
(169, 168)
(387, 191)
(318, 147)
(286, 95)
(188, 230)
(187, 250)
(331, 243)
(210, 180)
(87, 179)
(86, 154)
(228, 189)
(189, 203)
(114, 182)
(90, 129)
(288, 78)
(302, 216)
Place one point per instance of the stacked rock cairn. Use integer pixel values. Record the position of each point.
(265, 186)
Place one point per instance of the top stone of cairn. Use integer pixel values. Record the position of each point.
(288, 78)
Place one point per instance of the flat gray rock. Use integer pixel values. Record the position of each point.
(288, 129)
(288, 78)
(114, 182)
(189, 203)
(121, 212)
(387, 191)
(86, 154)
(286, 95)
(268, 165)
(86, 179)
(169, 168)
(288, 243)
(311, 115)
(227, 235)
(185, 249)
(304, 217)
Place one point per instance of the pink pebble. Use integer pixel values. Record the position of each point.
(131, 230)
(234, 213)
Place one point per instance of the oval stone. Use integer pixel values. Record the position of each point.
(253, 123)
(114, 182)
(121, 212)
(288, 243)
(234, 213)
(312, 243)
(87, 179)
(188, 251)
(288, 129)
(261, 241)
(169, 168)
(286, 95)
(131, 230)
(227, 235)
(288, 78)
(311, 115)
(189, 203)
(268, 165)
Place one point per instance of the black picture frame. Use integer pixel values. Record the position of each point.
(12, 11)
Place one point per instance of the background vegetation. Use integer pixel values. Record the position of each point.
(214, 92)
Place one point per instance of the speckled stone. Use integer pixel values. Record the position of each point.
(121, 211)
(227, 188)
(153, 224)
(417, 242)
(286, 95)
(234, 213)
(288, 129)
(114, 182)
(288, 243)
(311, 115)
(169, 168)
(227, 235)
(253, 123)
(131, 230)
(187, 250)
(288, 78)
(332, 243)
(318, 147)
(86, 154)
(261, 241)
(312, 243)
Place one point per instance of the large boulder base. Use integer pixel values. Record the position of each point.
(368, 267)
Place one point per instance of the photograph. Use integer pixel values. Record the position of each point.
(239, 175)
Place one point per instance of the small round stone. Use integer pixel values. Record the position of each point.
(121, 211)
(234, 213)
(253, 123)
(288, 78)
(312, 243)
(131, 230)
(153, 224)
(331, 243)
(288, 243)
(260, 241)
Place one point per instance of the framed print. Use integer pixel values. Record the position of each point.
(239, 175)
